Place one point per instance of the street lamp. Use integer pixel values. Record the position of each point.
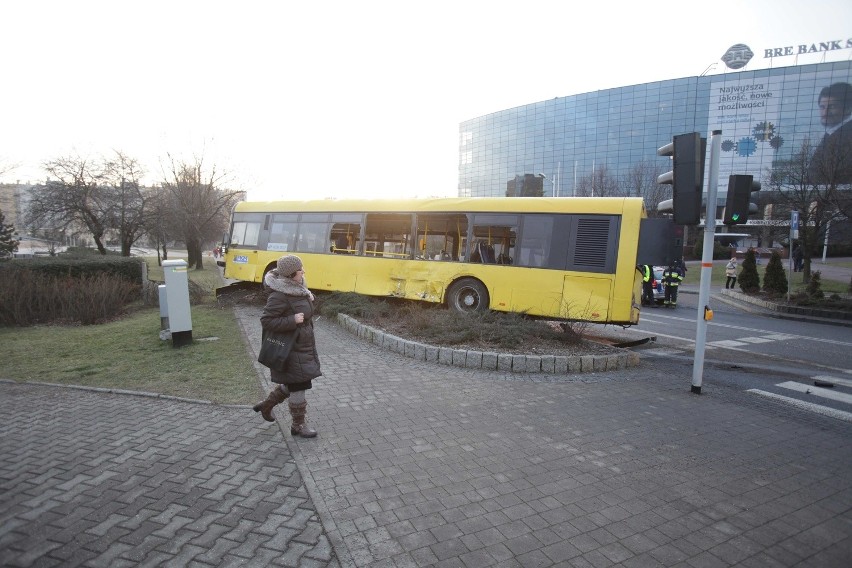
(551, 181)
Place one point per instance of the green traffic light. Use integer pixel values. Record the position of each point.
(735, 217)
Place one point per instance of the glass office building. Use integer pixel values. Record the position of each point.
(614, 134)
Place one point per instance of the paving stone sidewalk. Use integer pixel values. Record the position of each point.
(419, 464)
(91, 478)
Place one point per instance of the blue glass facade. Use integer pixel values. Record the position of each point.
(764, 115)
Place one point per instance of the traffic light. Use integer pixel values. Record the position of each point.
(739, 205)
(686, 178)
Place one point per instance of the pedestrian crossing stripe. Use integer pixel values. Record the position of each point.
(779, 336)
(726, 343)
(834, 380)
(803, 405)
(817, 391)
(742, 341)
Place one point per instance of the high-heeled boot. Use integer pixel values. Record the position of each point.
(300, 424)
(276, 396)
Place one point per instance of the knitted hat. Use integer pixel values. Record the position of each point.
(289, 264)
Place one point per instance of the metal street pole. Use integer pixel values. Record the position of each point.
(794, 234)
(706, 262)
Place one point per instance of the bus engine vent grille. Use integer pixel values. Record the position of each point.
(592, 242)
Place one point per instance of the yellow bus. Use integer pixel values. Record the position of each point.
(570, 258)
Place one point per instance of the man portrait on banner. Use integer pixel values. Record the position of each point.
(831, 162)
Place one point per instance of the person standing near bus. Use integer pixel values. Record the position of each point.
(647, 284)
(671, 280)
(290, 308)
(731, 273)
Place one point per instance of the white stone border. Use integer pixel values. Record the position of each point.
(783, 308)
(487, 360)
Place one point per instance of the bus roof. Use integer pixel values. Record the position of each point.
(590, 205)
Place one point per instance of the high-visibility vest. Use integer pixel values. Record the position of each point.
(646, 273)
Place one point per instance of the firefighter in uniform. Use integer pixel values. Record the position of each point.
(672, 277)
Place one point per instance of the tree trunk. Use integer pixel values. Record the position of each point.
(193, 254)
(99, 244)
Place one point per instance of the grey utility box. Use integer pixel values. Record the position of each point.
(164, 307)
(177, 294)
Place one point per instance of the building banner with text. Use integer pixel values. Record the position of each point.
(765, 119)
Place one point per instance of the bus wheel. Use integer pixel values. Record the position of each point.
(467, 295)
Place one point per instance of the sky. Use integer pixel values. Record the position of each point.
(305, 100)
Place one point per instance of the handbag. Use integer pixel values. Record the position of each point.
(275, 348)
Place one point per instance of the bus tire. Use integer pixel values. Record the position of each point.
(468, 295)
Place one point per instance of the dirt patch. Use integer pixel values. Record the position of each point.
(434, 325)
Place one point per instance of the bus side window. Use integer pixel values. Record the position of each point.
(341, 245)
(495, 235)
(484, 253)
(388, 235)
(440, 235)
(345, 237)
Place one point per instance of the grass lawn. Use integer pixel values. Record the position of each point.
(717, 278)
(128, 354)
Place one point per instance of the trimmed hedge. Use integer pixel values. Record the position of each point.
(126, 268)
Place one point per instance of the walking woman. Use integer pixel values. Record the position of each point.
(288, 308)
(731, 273)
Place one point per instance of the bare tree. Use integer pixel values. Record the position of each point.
(198, 203)
(793, 184)
(641, 181)
(76, 196)
(123, 193)
(599, 183)
(159, 221)
(7, 167)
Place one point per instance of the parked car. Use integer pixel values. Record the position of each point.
(657, 283)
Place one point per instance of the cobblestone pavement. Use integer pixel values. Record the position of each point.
(92, 478)
(419, 464)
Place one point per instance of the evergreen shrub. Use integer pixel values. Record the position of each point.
(774, 278)
(748, 278)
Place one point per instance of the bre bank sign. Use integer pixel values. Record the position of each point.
(737, 56)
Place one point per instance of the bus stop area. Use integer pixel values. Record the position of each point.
(418, 464)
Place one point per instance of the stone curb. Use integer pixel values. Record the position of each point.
(782, 308)
(125, 391)
(488, 360)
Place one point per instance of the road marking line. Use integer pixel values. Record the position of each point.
(779, 336)
(835, 380)
(727, 343)
(802, 405)
(756, 339)
(816, 391)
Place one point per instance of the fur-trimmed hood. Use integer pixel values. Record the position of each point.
(286, 285)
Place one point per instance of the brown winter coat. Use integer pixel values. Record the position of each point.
(279, 316)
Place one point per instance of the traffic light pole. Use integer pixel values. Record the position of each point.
(706, 262)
